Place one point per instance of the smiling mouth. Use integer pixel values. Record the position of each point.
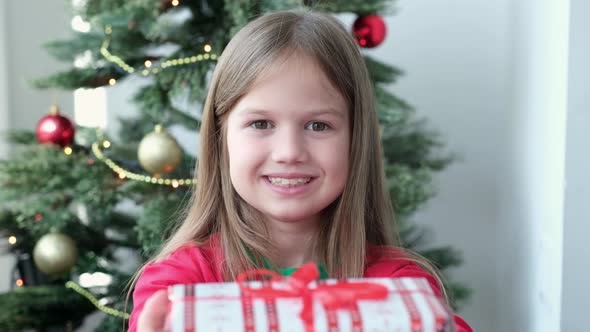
(287, 183)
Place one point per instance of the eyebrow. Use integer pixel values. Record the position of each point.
(321, 111)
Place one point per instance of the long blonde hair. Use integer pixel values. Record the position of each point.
(362, 214)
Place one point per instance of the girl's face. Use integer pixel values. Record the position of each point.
(288, 141)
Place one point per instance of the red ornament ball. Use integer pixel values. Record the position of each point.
(55, 128)
(369, 30)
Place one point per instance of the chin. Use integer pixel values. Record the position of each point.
(292, 218)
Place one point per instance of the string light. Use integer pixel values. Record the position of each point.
(19, 282)
(149, 67)
(79, 24)
(175, 3)
(106, 144)
(125, 174)
(110, 311)
(112, 81)
(12, 240)
(68, 150)
(96, 279)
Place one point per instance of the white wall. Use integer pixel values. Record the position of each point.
(531, 226)
(576, 251)
(457, 58)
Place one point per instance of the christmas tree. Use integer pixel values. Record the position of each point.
(67, 216)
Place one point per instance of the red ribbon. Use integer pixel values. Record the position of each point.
(341, 296)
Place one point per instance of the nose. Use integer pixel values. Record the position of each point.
(289, 146)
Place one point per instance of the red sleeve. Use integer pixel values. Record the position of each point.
(187, 265)
(403, 268)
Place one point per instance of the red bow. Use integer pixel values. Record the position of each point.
(341, 296)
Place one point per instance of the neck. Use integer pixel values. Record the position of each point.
(294, 241)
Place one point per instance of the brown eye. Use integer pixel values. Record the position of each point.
(318, 126)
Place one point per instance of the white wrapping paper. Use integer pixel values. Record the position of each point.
(219, 307)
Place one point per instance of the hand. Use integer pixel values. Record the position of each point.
(154, 314)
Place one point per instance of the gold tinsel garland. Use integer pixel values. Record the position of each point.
(109, 311)
(148, 67)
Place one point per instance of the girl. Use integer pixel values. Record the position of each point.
(290, 169)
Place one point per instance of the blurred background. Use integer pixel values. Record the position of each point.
(504, 82)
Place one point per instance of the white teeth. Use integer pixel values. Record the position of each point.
(289, 182)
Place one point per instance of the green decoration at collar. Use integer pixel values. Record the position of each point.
(287, 271)
(290, 270)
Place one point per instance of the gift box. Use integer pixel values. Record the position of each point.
(302, 304)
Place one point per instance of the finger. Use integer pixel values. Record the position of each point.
(153, 316)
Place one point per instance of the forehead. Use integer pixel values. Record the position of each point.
(293, 83)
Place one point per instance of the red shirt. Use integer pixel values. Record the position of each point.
(191, 264)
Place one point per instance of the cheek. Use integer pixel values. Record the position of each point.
(243, 155)
(335, 158)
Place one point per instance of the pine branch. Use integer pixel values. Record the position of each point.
(68, 50)
(41, 307)
(414, 145)
(21, 137)
(187, 121)
(96, 7)
(360, 7)
(409, 188)
(79, 78)
(413, 237)
(459, 294)
(156, 221)
(443, 257)
(380, 72)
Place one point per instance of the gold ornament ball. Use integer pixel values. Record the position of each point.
(159, 152)
(55, 253)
